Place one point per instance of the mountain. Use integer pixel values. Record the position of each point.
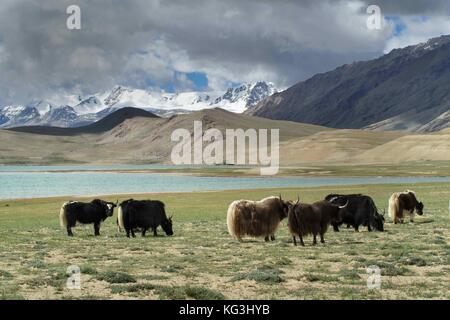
(81, 111)
(138, 139)
(131, 136)
(107, 123)
(407, 89)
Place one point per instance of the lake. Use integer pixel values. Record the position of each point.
(34, 182)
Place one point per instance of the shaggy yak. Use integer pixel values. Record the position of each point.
(256, 218)
(305, 219)
(85, 213)
(404, 202)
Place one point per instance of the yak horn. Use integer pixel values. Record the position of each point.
(298, 200)
(342, 207)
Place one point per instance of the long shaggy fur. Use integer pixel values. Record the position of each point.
(394, 207)
(62, 215)
(254, 218)
(120, 219)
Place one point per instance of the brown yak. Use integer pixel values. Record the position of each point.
(305, 219)
(404, 202)
(256, 218)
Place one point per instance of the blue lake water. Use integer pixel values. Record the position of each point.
(16, 183)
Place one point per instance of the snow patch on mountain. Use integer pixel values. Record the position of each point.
(84, 110)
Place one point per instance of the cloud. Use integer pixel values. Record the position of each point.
(418, 30)
(412, 7)
(152, 43)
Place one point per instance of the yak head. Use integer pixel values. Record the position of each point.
(285, 205)
(378, 221)
(166, 225)
(419, 208)
(291, 206)
(338, 215)
(110, 208)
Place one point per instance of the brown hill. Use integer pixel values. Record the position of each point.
(147, 139)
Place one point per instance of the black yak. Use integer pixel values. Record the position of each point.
(361, 210)
(85, 213)
(143, 215)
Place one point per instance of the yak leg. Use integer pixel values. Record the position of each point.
(132, 233)
(266, 239)
(322, 240)
(272, 237)
(301, 240)
(295, 241)
(69, 232)
(369, 228)
(155, 234)
(335, 228)
(356, 228)
(143, 232)
(128, 232)
(315, 239)
(97, 229)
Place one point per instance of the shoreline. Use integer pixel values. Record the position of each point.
(168, 193)
(247, 172)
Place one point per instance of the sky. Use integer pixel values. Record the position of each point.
(185, 45)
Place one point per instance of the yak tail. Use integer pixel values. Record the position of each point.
(62, 216)
(120, 218)
(231, 218)
(393, 206)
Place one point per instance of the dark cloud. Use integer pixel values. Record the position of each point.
(412, 7)
(134, 41)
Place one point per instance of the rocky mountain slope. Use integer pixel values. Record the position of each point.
(407, 89)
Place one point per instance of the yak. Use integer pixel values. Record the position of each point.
(93, 212)
(143, 215)
(256, 218)
(361, 210)
(404, 202)
(305, 219)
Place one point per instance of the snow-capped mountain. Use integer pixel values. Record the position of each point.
(85, 110)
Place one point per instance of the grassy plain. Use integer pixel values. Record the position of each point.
(202, 261)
